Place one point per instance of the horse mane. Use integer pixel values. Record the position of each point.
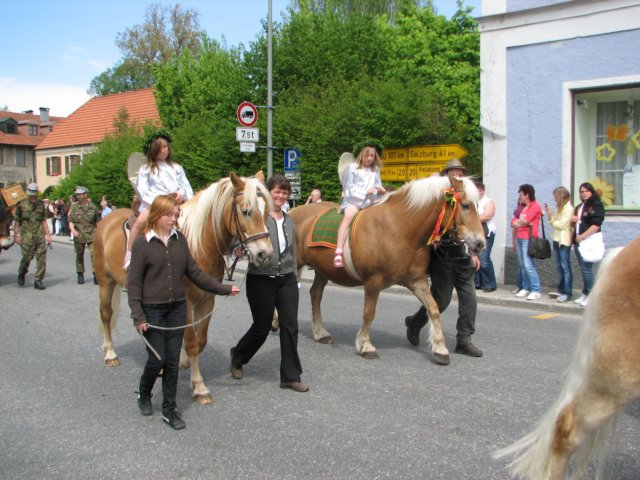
(424, 191)
(210, 203)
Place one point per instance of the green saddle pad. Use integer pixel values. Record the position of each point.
(325, 229)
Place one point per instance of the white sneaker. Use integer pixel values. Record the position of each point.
(533, 296)
(584, 302)
(580, 299)
(515, 290)
(522, 293)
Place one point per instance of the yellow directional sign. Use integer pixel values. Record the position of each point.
(404, 164)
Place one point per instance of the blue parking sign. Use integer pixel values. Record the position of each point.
(291, 159)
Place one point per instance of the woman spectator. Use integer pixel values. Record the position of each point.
(526, 226)
(588, 219)
(562, 241)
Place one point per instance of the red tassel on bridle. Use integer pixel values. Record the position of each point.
(450, 197)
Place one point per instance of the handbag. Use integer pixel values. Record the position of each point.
(539, 248)
(592, 248)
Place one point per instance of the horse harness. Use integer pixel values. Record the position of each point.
(444, 238)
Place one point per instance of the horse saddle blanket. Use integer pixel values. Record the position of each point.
(325, 229)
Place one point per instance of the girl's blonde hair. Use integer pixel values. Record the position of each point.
(563, 195)
(162, 205)
(377, 162)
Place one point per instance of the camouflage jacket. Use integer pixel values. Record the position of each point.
(30, 215)
(84, 219)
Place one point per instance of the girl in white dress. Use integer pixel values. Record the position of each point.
(160, 176)
(361, 182)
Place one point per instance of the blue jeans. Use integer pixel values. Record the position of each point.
(486, 277)
(527, 265)
(563, 263)
(588, 278)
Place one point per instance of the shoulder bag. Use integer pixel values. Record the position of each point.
(539, 248)
(592, 248)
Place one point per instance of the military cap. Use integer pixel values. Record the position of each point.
(32, 189)
(80, 189)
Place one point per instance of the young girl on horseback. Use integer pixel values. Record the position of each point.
(160, 176)
(361, 181)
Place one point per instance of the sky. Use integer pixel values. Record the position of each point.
(53, 49)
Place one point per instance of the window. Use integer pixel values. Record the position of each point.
(71, 161)
(54, 167)
(607, 146)
(21, 158)
(33, 130)
(1, 156)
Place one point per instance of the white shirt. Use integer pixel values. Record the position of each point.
(482, 203)
(356, 183)
(164, 180)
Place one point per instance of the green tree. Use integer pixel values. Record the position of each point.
(166, 32)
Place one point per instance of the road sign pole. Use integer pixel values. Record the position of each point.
(269, 94)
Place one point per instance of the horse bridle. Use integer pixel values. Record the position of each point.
(242, 237)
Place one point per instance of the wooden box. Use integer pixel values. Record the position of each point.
(12, 195)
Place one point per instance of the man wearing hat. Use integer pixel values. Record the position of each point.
(83, 218)
(451, 267)
(32, 233)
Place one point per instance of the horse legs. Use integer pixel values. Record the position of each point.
(363, 340)
(109, 308)
(194, 342)
(317, 325)
(436, 335)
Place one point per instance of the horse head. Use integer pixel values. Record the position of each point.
(464, 209)
(250, 212)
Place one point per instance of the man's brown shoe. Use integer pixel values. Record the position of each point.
(295, 386)
(235, 368)
(468, 349)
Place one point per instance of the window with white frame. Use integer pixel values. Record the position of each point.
(54, 167)
(21, 157)
(71, 161)
(607, 146)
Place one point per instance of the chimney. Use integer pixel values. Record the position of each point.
(44, 115)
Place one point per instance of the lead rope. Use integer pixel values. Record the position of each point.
(192, 324)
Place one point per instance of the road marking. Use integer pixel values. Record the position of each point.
(545, 316)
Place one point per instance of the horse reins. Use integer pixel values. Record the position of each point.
(450, 198)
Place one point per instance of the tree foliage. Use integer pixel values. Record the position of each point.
(166, 32)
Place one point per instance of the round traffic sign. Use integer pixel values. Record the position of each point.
(247, 114)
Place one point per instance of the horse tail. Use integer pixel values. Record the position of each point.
(533, 452)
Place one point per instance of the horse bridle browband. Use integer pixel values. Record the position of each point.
(242, 237)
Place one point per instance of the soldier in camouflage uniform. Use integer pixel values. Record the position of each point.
(32, 234)
(83, 218)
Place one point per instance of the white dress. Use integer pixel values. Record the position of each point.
(164, 180)
(356, 183)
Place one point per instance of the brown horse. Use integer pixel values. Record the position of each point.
(602, 378)
(234, 207)
(389, 246)
(6, 235)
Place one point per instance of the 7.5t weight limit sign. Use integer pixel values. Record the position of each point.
(247, 114)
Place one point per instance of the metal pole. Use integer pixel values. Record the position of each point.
(269, 94)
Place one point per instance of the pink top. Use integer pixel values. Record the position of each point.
(531, 214)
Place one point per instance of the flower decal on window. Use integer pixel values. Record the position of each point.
(605, 152)
(604, 189)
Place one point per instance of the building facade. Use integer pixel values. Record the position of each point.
(560, 105)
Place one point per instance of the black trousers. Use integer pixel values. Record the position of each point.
(167, 343)
(447, 274)
(265, 294)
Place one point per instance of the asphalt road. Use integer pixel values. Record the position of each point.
(64, 415)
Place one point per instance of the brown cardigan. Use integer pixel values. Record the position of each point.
(157, 271)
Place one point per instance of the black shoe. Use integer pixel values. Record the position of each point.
(235, 368)
(489, 290)
(21, 279)
(38, 285)
(468, 349)
(144, 404)
(95, 280)
(413, 333)
(173, 420)
(80, 278)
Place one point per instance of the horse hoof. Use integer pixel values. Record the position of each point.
(203, 399)
(371, 355)
(112, 362)
(442, 359)
(326, 340)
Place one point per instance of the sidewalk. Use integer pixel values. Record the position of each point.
(501, 297)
